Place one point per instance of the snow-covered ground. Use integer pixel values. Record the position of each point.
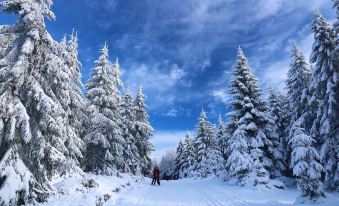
(89, 190)
(187, 192)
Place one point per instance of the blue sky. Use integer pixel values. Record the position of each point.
(182, 51)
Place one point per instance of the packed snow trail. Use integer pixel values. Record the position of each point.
(137, 191)
(189, 192)
(171, 193)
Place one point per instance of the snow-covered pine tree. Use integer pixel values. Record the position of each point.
(239, 162)
(250, 127)
(104, 140)
(16, 181)
(336, 33)
(324, 90)
(34, 95)
(116, 80)
(334, 97)
(305, 162)
(208, 159)
(119, 141)
(274, 151)
(321, 57)
(76, 111)
(131, 155)
(63, 43)
(187, 156)
(279, 108)
(259, 174)
(179, 156)
(298, 78)
(276, 102)
(220, 136)
(143, 132)
(78, 117)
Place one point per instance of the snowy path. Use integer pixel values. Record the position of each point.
(172, 193)
(201, 193)
(206, 193)
(186, 192)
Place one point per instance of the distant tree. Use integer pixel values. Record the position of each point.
(207, 158)
(186, 160)
(177, 168)
(167, 163)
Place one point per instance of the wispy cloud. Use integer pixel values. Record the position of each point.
(166, 140)
(158, 81)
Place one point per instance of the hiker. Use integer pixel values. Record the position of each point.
(156, 176)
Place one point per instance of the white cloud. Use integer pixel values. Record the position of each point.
(166, 140)
(177, 111)
(221, 95)
(176, 73)
(268, 8)
(159, 81)
(172, 112)
(275, 75)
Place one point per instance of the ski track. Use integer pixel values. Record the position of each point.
(206, 193)
(172, 193)
(190, 192)
(209, 199)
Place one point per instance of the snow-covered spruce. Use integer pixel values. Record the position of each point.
(36, 141)
(184, 161)
(76, 110)
(323, 103)
(254, 138)
(222, 137)
(305, 162)
(279, 111)
(207, 159)
(131, 155)
(298, 78)
(104, 139)
(334, 97)
(321, 80)
(78, 116)
(177, 162)
(239, 162)
(143, 132)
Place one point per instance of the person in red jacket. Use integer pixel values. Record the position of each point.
(156, 176)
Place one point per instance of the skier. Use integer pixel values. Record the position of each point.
(156, 176)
